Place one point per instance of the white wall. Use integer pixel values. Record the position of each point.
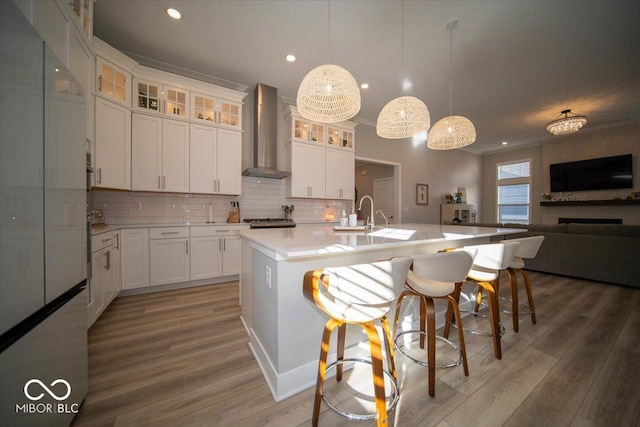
(586, 144)
(443, 171)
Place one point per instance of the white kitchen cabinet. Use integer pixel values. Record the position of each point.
(53, 27)
(216, 156)
(340, 137)
(215, 252)
(307, 165)
(113, 82)
(116, 266)
(112, 145)
(169, 255)
(134, 244)
(155, 97)
(103, 282)
(303, 130)
(340, 170)
(160, 154)
(212, 110)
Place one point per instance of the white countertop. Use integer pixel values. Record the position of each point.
(313, 241)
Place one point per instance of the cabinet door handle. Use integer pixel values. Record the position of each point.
(100, 83)
(187, 245)
(224, 245)
(117, 241)
(106, 240)
(108, 256)
(99, 175)
(169, 232)
(159, 182)
(222, 231)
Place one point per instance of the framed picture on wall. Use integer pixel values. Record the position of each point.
(422, 194)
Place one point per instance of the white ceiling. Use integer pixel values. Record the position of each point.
(516, 64)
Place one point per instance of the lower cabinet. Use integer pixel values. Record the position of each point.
(214, 253)
(135, 258)
(105, 282)
(168, 255)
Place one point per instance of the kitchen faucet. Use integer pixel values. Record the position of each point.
(372, 214)
(386, 221)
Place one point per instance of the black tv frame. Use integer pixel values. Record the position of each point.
(604, 173)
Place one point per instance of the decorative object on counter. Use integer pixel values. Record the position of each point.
(422, 194)
(344, 220)
(405, 116)
(328, 93)
(566, 125)
(353, 219)
(545, 197)
(451, 132)
(635, 195)
(448, 199)
(288, 210)
(463, 194)
(458, 197)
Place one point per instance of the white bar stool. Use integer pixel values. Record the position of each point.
(528, 249)
(485, 271)
(360, 295)
(435, 276)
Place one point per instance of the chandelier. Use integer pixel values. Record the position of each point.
(405, 116)
(451, 132)
(328, 93)
(566, 125)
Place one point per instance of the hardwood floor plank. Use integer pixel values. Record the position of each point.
(181, 358)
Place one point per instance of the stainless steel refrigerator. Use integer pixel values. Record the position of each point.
(43, 300)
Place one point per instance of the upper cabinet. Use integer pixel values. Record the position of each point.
(212, 110)
(303, 130)
(112, 145)
(112, 81)
(340, 137)
(153, 97)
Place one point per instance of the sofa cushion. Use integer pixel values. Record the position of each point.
(617, 230)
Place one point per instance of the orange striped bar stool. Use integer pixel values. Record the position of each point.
(434, 276)
(528, 249)
(485, 271)
(361, 295)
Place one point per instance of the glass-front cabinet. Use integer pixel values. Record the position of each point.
(306, 131)
(112, 81)
(212, 110)
(156, 98)
(340, 138)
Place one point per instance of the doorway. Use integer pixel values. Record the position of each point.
(380, 180)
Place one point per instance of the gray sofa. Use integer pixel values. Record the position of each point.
(607, 253)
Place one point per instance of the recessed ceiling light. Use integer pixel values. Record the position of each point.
(504, 142)
(290, 58)
(364, 86)
(174, 13)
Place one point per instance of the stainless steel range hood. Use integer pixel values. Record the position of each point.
(265, 135)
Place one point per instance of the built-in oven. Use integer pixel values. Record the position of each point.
(89, 216)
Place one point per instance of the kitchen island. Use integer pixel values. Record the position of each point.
(284, 329)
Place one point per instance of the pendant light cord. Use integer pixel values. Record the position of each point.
(451, 26)
(328, 31)
(402, 51)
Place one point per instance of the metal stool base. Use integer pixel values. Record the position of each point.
(425, 364)
(520, 313)
(395, 396)
(484, 334)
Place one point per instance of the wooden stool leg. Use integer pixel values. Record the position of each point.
(527, 284)
(322, 366)
(453, 306)
(494, 311)
(478, 299)
(342, 332)
(449, 316)
(399, 310)
(378, 374)
(513, 281)
(388, 343)
(423, 319)
(431, 344)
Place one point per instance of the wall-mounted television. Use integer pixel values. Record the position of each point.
(604, 173)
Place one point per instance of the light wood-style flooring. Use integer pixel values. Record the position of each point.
(180, 358)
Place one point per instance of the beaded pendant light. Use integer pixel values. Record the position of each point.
(328, 93)
(566, 125)
(405, 116)
(451, 132)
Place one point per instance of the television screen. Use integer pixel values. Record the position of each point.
(594, 174)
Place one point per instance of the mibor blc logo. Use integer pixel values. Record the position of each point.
(60, 390)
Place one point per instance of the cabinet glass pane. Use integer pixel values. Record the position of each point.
(176, 103)
(347, 139)
(229, 114)
(148, 96)
(203, 108)
(317, 132)
(301, 130)
(120, 83)
(334, 136)
(106, 84)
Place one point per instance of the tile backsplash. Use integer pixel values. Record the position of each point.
(261, 198)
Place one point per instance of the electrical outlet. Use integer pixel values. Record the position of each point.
(268, 276)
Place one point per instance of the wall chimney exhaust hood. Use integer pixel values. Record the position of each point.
(265, 135)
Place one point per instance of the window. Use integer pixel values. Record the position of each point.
(514, 192)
